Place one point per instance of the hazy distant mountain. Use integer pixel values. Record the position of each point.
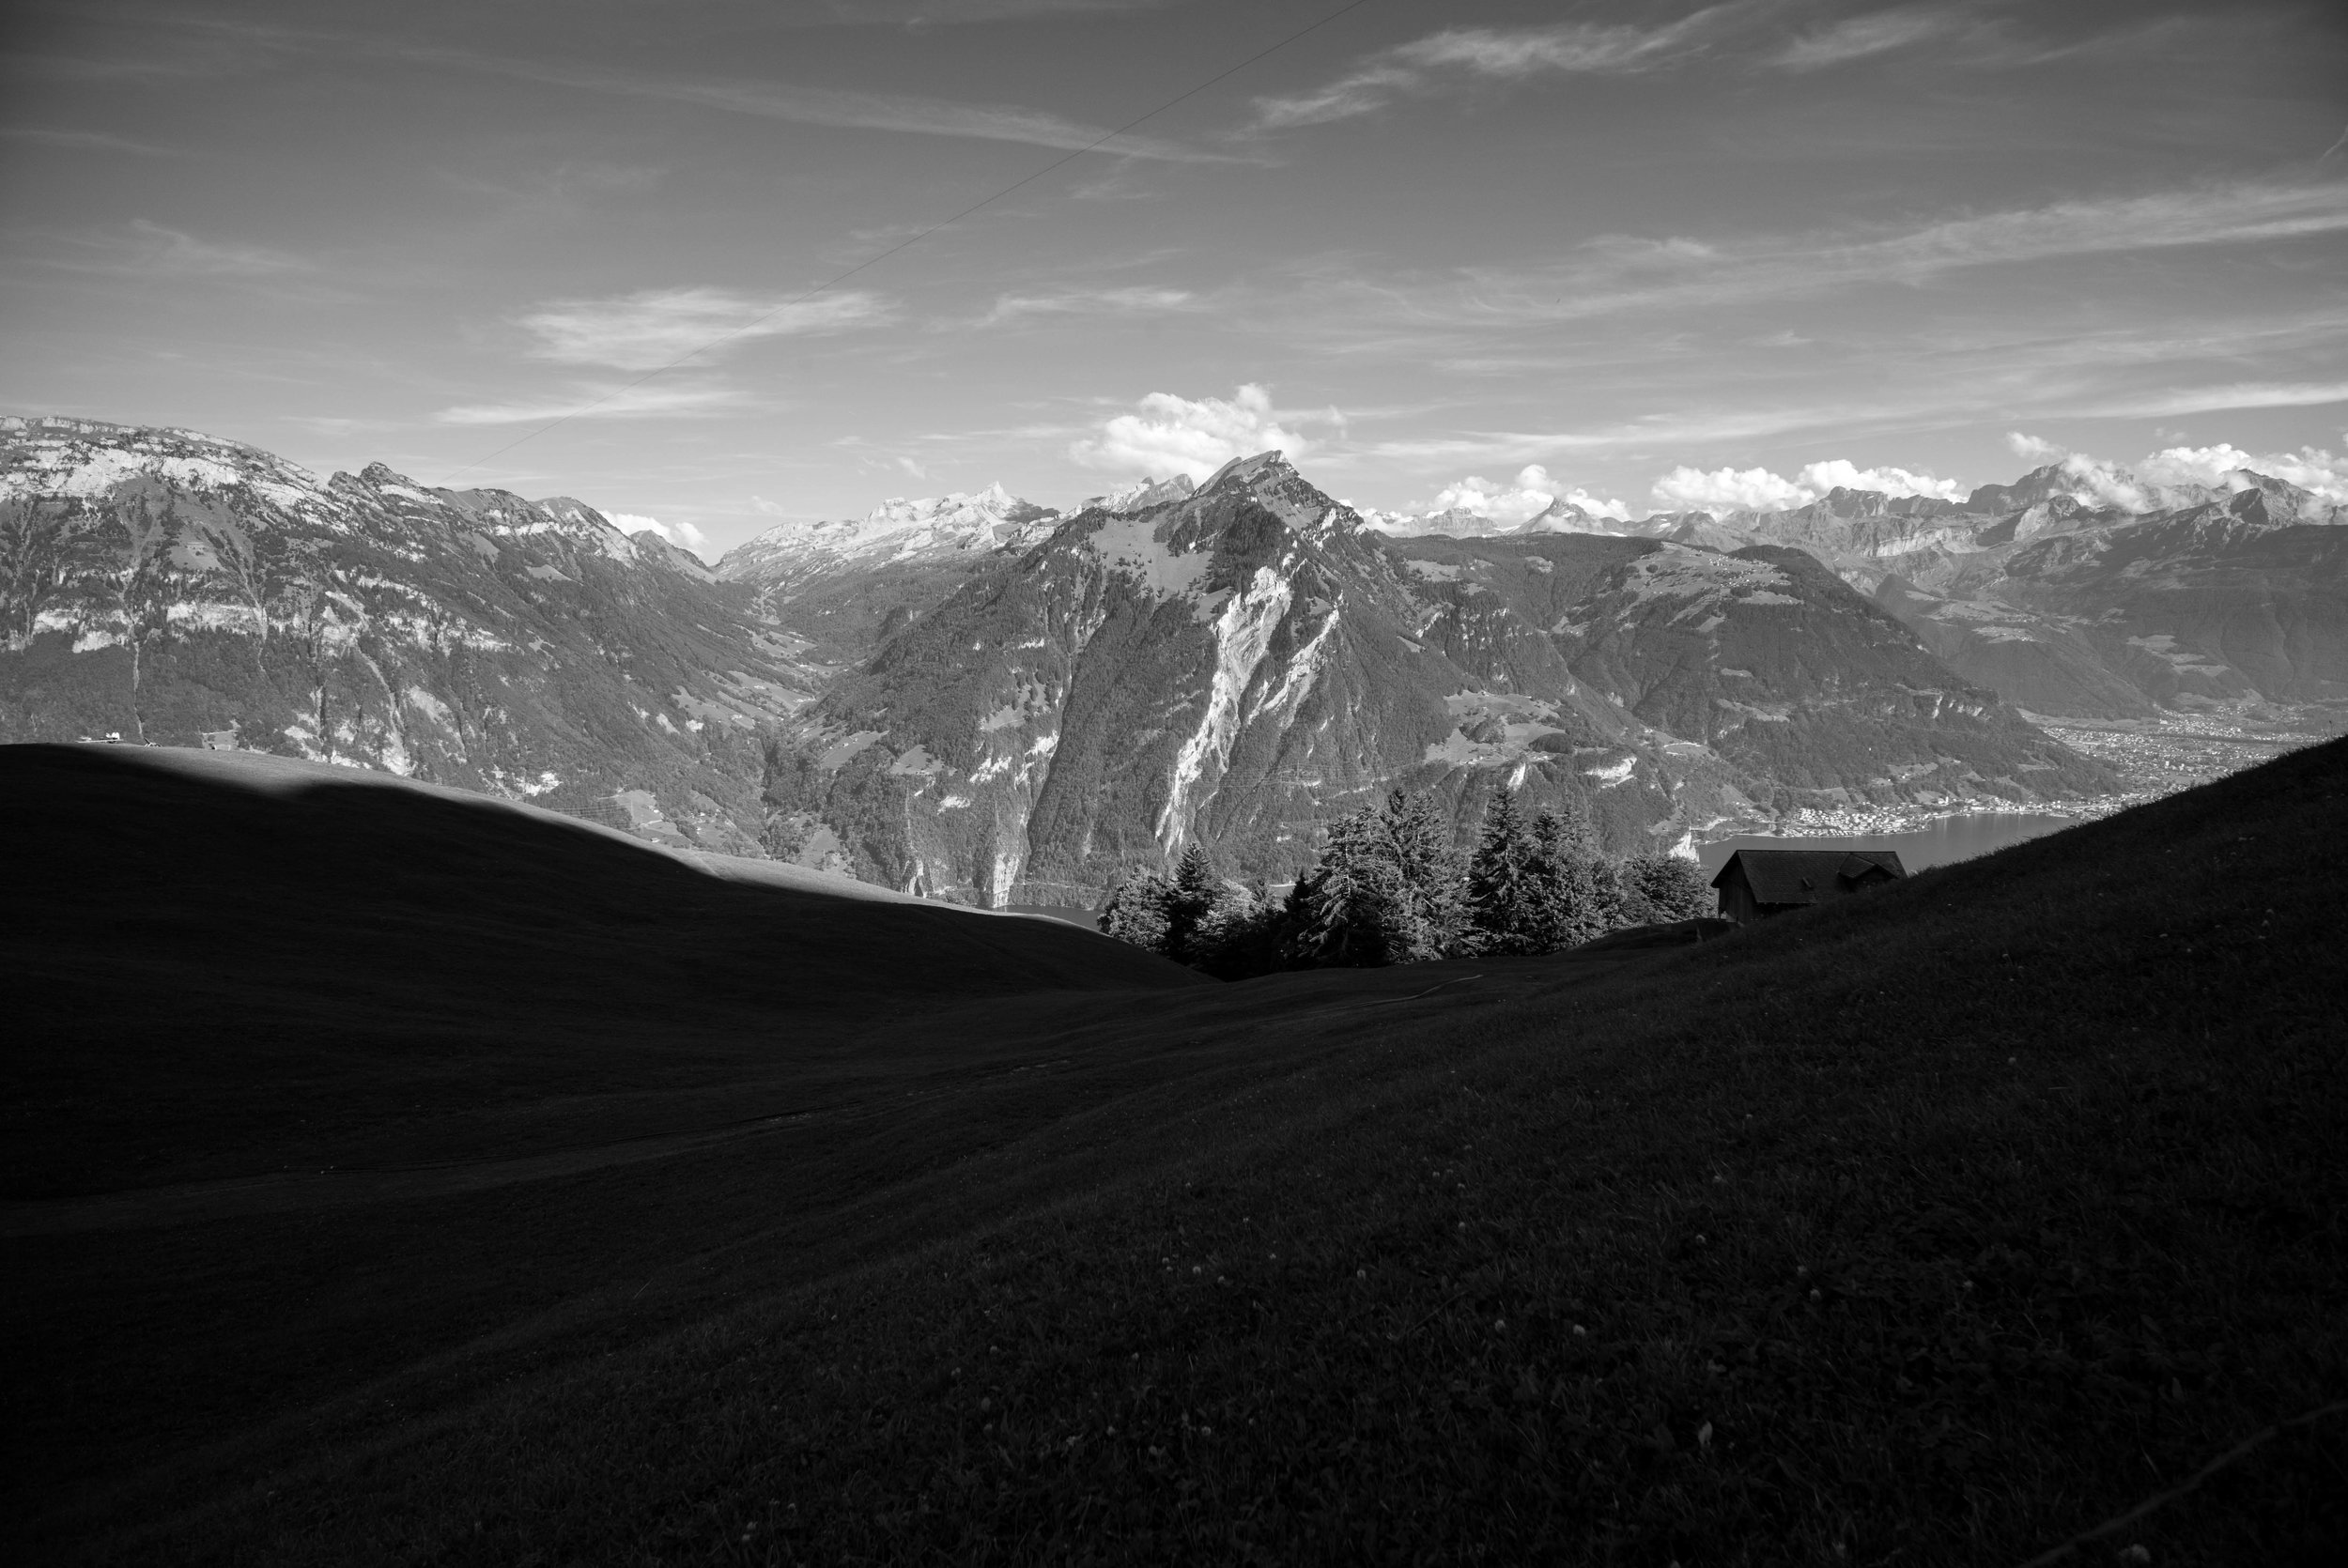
(175, 588)
(1458, 522)
(2101, 601)
(1241, 665)
(846, 584)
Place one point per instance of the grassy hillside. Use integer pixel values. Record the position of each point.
(1932, 1226)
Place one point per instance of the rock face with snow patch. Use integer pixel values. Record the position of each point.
(169, 587)
(1240, 665)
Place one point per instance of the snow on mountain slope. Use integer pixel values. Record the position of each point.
(167, 586)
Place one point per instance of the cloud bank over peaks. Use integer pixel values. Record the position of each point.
(685, 536)
(2165, 478)
(1531, 493)
(1760, 490)
(1176, 435)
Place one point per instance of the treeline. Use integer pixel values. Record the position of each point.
(1393, 887)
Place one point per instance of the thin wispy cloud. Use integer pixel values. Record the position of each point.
(1092, 301)
(663, 400)
(656, 326)
(83, 140)
(2231, 395)
(1742, 36)
(141, 249)
(926, 13)
(1620, 275)
(1465, 55)
(1860, 38)
(841, 107)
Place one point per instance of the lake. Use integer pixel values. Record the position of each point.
(1949, 839)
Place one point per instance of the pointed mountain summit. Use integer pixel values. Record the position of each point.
(1238, 667)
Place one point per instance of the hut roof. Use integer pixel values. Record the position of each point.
(1801, 876)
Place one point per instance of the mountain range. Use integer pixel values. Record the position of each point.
(978, 698)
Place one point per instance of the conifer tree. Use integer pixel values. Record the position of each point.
(1503, 893)
(1428, 922)
(1345, 909)
(1191, 902)
(1574, 899)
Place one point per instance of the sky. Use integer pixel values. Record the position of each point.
(1643, 255)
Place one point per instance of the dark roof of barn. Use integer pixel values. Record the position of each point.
(1799, 876)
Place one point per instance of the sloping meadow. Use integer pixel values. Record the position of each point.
(1937, 1226)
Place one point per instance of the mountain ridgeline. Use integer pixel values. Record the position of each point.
(2071, 603)
(981, 699)
(1240, 665)
(164, 586)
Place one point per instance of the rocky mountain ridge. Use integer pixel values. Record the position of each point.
(2075, 604)
(1240, 665)
(166, 586)
(984, 698)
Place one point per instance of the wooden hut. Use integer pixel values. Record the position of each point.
(1757, 882)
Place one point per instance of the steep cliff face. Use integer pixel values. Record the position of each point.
(168, 587)
(1240, 665)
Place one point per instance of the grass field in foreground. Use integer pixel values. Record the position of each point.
(1934, 1227)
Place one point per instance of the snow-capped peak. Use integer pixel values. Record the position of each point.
(897, 530)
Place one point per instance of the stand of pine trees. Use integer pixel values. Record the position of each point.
(1392, 887)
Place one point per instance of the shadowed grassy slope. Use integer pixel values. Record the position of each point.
(207, 980)
(1928, 1227)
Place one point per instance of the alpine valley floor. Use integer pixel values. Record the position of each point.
(397, 1178)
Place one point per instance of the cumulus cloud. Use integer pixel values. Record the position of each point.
(685, 536)
(1760, 490)
(1839, 472)
(2168, 477)
(1529, 494)
(1732, 489)
(1176, 435)
(656, 326)
(1510, 504)
(2225, 466)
